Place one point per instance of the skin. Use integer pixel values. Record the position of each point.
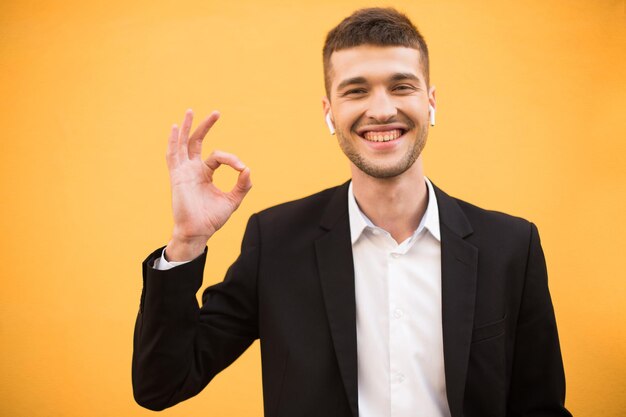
(388, 180)
(388, 183)
(199, 207)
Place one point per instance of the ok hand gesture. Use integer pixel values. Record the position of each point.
(199, 207)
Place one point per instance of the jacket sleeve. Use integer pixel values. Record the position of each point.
(179, 347)
(538, 379)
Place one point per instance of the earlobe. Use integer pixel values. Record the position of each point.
(329, 122)
(432, 114)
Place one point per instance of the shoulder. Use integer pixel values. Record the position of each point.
(313, 202)
(481, 217)
(300, 214)
(485, 226)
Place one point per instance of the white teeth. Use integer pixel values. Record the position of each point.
(382, 136)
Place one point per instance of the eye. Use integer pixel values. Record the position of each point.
(355, 91)
(403, 88)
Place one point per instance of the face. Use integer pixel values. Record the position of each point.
(379, 106)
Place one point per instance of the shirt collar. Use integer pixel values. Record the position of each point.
(359, 221)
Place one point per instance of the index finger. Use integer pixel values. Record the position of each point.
(195, 141)
(218, 158)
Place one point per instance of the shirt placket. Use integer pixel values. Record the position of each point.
(396, 312)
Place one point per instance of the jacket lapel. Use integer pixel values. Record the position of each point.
(336, 269)
(459, 267)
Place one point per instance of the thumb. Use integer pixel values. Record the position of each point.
(242, 187)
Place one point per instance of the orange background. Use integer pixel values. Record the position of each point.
(531, 108)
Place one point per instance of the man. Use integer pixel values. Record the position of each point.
(381, 297)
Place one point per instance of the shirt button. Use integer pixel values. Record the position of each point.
(397, 313)
(395, 255)
(399, 378)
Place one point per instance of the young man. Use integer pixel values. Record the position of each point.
(381, 297)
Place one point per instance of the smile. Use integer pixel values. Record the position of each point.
(382, 136)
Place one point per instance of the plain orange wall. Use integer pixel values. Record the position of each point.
(531, 109)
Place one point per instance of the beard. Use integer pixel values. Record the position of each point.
(380, 171)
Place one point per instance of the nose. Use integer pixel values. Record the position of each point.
(381, 107)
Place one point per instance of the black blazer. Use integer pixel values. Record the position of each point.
(292, 286)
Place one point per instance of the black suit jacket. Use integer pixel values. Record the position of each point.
(292, 286)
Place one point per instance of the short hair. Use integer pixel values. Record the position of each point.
(374, 26)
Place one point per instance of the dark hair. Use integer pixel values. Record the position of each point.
(374, 26)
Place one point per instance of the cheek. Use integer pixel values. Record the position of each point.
(348, 114)
(349, 122)
(416, 115)
(355, 118)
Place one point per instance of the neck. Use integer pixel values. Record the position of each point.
(394, 204)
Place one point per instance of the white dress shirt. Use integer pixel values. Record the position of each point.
(398, 317)
(163, 264)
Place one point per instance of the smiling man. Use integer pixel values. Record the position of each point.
(380, 297)
(386, 85)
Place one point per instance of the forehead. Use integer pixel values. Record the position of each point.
(372, 62)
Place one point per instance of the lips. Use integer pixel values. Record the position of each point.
(381, 133)
(383, 136)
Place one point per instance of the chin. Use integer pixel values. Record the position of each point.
(380, 171)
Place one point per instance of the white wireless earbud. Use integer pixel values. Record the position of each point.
(329, 122)
(432, 114)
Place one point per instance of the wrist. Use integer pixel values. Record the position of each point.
(180, 250)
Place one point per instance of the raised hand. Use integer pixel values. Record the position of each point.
(199, 207)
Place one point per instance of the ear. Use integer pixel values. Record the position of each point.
(431, 105)
(431, 96)
(328, 115)
(325, 105)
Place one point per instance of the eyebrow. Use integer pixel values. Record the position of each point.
(404, 76)
(350, 81)
(361, 80)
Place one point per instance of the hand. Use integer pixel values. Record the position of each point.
(199, 207)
